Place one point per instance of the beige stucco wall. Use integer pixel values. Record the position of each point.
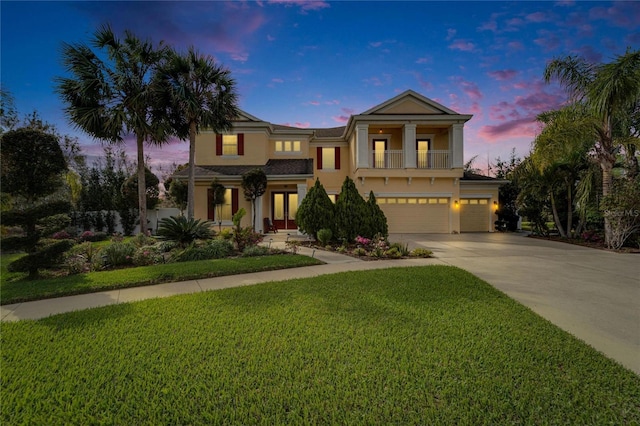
(256, 150)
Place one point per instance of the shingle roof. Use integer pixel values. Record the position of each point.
(332, 132)
(475, 176)
(272, 168)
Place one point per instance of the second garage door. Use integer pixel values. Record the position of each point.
(474, 215)
(416, 215)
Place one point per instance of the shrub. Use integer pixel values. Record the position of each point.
(421, 252)
(184, 231)
(83, 257)
(359, 251)
(219, 248)
(363, 241)
(147, 255)
(393, 252)
(226, 234)
(92, 236)
(316, 211)
(403, 249)
(142, 240)
(61, 235)
(215, 249)
(350, 209)
(325, 235)
(256, 251)
(119, 254)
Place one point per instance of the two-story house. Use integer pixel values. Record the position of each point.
(407, 150)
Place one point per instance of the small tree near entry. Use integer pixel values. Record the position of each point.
(218, 200)
(351, 211)
(32, 171)
(316, 211)
(254, 184)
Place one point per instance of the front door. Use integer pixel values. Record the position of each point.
(284, 206)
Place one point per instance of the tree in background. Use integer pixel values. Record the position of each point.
(176, 189)
(350, 212)
(610, 93)
(199, 94)
(33, 166)
(316, 211)
(111, 98)
(254, 185)
(129, 190)
(508, 192)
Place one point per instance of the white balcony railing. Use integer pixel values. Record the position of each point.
(389, 159)
(434, 159)
(394, 159)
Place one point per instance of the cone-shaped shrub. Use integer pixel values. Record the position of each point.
(351, 212)
(377, 219)
(316, 211)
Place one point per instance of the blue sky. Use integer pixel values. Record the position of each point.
(312, 64)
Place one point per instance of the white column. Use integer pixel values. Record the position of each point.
(457, 148)
(362, 146)
(409, 146)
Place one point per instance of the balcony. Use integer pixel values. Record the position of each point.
(394, 159)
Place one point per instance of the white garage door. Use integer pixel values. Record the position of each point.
(416, 215)
(474, 215)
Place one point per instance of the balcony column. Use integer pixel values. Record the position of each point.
(457, 145)
(409, 146)
(362, 146)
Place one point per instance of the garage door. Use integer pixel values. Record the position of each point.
(416, 215)
(474, 215)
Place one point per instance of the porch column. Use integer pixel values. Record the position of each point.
(457, 145)
(259, 223)
(362, 146)
(409, 146)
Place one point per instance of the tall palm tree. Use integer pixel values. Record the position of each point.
(114, 97)
(610, 91)
(200, 94)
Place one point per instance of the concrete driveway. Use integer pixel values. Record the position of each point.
(592, 294)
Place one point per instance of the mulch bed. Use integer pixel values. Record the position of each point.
(590, 244)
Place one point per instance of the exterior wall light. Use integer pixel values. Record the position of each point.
(455, 203)
(495, 205)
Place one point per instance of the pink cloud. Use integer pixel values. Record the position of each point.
(620, 14)
(537, 17)
(314, 103)
(304, 125)
(515, 45)
(375, 44)
(422, 82)
(465, 46)
(342, 119)
(469, 88)
(502, 75)
(547, 40)
(524, 127)
(277, 80)
(424, 60)
(304, 5)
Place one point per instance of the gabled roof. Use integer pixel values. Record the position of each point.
(409, 102)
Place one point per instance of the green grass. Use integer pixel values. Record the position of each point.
(15, 288)
(428, 345)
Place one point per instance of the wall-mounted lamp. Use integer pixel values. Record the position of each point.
(380, 131)
(495, 205)
(455, 203)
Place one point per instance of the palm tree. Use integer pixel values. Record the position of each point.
(112, 98)
(200, 94)
(610, 91)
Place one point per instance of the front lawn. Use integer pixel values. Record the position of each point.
(423, 345)
(14, 287)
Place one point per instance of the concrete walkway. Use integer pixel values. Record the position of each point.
(592, 294)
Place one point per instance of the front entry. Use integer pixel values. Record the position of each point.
(284, 206)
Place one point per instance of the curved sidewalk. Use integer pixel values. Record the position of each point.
(334, 262)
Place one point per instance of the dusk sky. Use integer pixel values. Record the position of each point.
(313, 64)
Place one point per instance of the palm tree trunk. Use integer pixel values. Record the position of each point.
(191, 185)
(607, 182)
(142, 186)
(569, 211)
(556, 217)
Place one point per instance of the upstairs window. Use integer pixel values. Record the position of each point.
(230, 145)
(328, 158)
(287, 146)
